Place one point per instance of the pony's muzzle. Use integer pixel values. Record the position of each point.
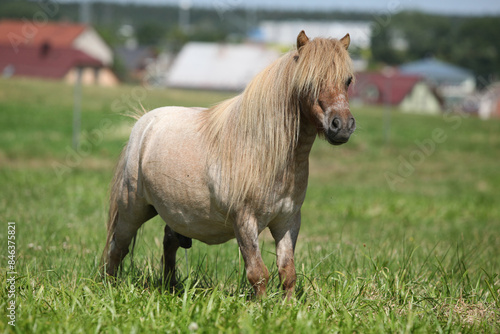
(340, 130)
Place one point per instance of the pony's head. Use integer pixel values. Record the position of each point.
(322, 77)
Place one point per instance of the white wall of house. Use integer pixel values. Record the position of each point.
(218, 66)
(457, 92)
(489, 102)
(486, 106)
(92, 44)
(107, 78)
(91, 76)
(421, 100)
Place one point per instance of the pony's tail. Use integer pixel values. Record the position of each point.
(115, 191)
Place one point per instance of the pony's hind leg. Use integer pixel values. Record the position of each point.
(170, 245)
(119, 244)
(120, 234)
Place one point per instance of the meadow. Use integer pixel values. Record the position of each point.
(400, 228)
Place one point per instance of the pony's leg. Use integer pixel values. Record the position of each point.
(285, 236)
(247, 234)
(123, 230)
(121, 237)
(170, 246)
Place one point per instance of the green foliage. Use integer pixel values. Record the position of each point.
(478, 49)
(176, 38)
(108, 35)
(150, 33)
(18, 9)
(422, 257)
(120, 70)
(382, 51)
(464, 41)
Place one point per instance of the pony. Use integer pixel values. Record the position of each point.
(234, 169)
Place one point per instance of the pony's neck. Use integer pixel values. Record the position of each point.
(307, 136)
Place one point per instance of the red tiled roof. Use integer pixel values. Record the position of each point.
(386, 89)
(44, 61)
(28, 33)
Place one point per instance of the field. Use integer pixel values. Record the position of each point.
(400, 228)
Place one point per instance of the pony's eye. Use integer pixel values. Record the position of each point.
(348, 82)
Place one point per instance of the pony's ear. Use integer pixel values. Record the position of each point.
(302, 39)
(346, 40)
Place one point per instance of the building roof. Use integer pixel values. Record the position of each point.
(218, 66)
(58, 34)
(136, 58)
(437, 71)
(44, 61)
(378, 88)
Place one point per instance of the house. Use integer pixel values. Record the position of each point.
(136, 59)
(218, 66)
(409, 93)
(489, 102)
(54, 63)
(144, 63)
(453, 83)
(55, 51)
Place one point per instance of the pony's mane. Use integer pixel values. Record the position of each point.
(252, 137)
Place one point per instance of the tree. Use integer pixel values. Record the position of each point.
(150, 33)
(18, 9)
(478, 47)
(382, 49)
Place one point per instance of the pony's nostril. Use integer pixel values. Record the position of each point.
(352, 123)
(336, 123)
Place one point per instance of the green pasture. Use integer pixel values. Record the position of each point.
(400, 229)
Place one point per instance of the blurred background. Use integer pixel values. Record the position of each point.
(401, 225)
(425, 57)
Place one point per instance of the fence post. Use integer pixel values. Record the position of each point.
(77, 108)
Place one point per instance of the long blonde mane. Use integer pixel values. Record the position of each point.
(252, 136)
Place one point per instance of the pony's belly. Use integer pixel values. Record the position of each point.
(209, 231)
(185, 204)
(187, 209)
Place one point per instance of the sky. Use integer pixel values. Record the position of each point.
(381, 7)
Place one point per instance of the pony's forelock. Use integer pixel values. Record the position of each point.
(321, 63)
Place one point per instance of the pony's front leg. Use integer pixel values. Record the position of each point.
(247, 233)
(285, 235)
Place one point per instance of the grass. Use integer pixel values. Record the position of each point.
(397, 235)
